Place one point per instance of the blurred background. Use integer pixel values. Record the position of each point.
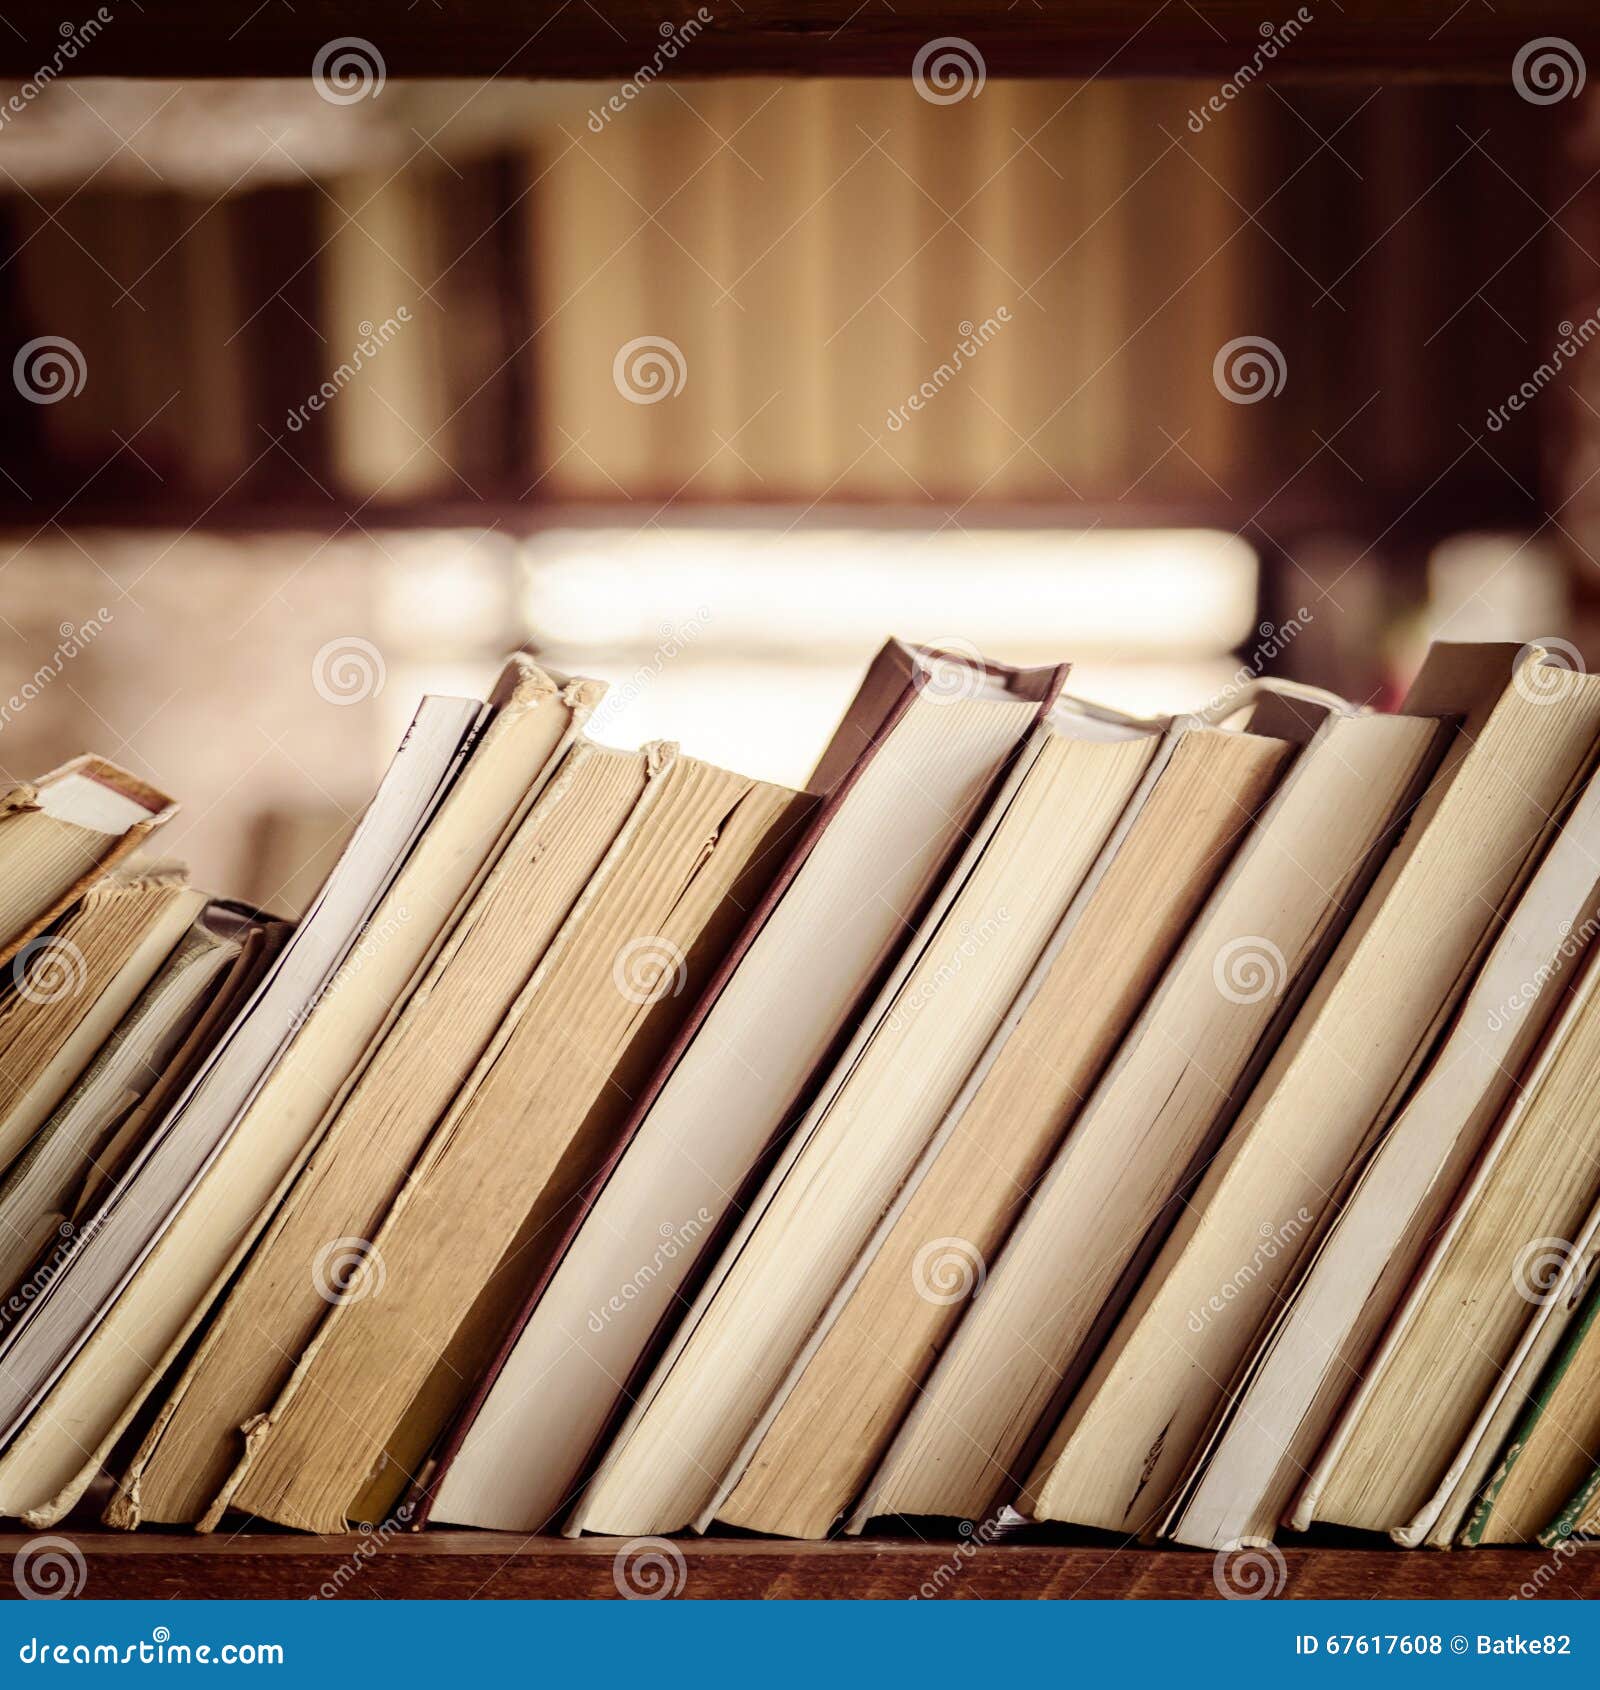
(326, 392)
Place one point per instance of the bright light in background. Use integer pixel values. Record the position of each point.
(766, 589)
(444, 610)
(452, 587)
(1496, 587)
(745, 643)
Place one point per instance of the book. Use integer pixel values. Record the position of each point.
(138, 1209)
(1199, 798)
(490, 1192)
(1441, 1520)
(1136, 1424)
(70, 986)
(910, 765)
(691, 1428)
(418, 852)
(1174, 1126)
(60, 832)
(1331, 1319)
(1515, 1249)
(262, 941)
(273, 1309)
(1579, 1514)
(1548, 1462)
(1172, 1090)
(36, 1196)
(1579, 1518)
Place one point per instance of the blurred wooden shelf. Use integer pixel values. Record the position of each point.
(1389, 518)
(462, 1564)
(478, 38)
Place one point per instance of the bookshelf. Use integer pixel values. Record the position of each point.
(1433, 40)
(464, 1565)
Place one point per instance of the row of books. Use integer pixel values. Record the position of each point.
(1179, 1127)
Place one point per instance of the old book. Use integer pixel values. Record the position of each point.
(1140, 1418)
(1580, 1517)
(516, 1147)
(1579, 1514)
(72, 985)
(61, 831)
(135, 1212)
(918, 751)
(36, 1198)
(423, 846)
(272, 1312)
(1439, 1522)
(1548, 1462)
(1173, 1089)
(261, 944)
(722, 1377)
(1515, 1251)
(1197, 802)
(1320, 1342)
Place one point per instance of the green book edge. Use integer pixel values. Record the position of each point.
(1561, 1526)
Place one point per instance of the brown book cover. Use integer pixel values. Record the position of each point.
(892, 682)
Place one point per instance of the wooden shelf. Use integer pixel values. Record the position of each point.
(483, 38)
(494, 1564)
(1396, 516)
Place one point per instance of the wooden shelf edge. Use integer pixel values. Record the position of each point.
(471, 1565)
(475, 38)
